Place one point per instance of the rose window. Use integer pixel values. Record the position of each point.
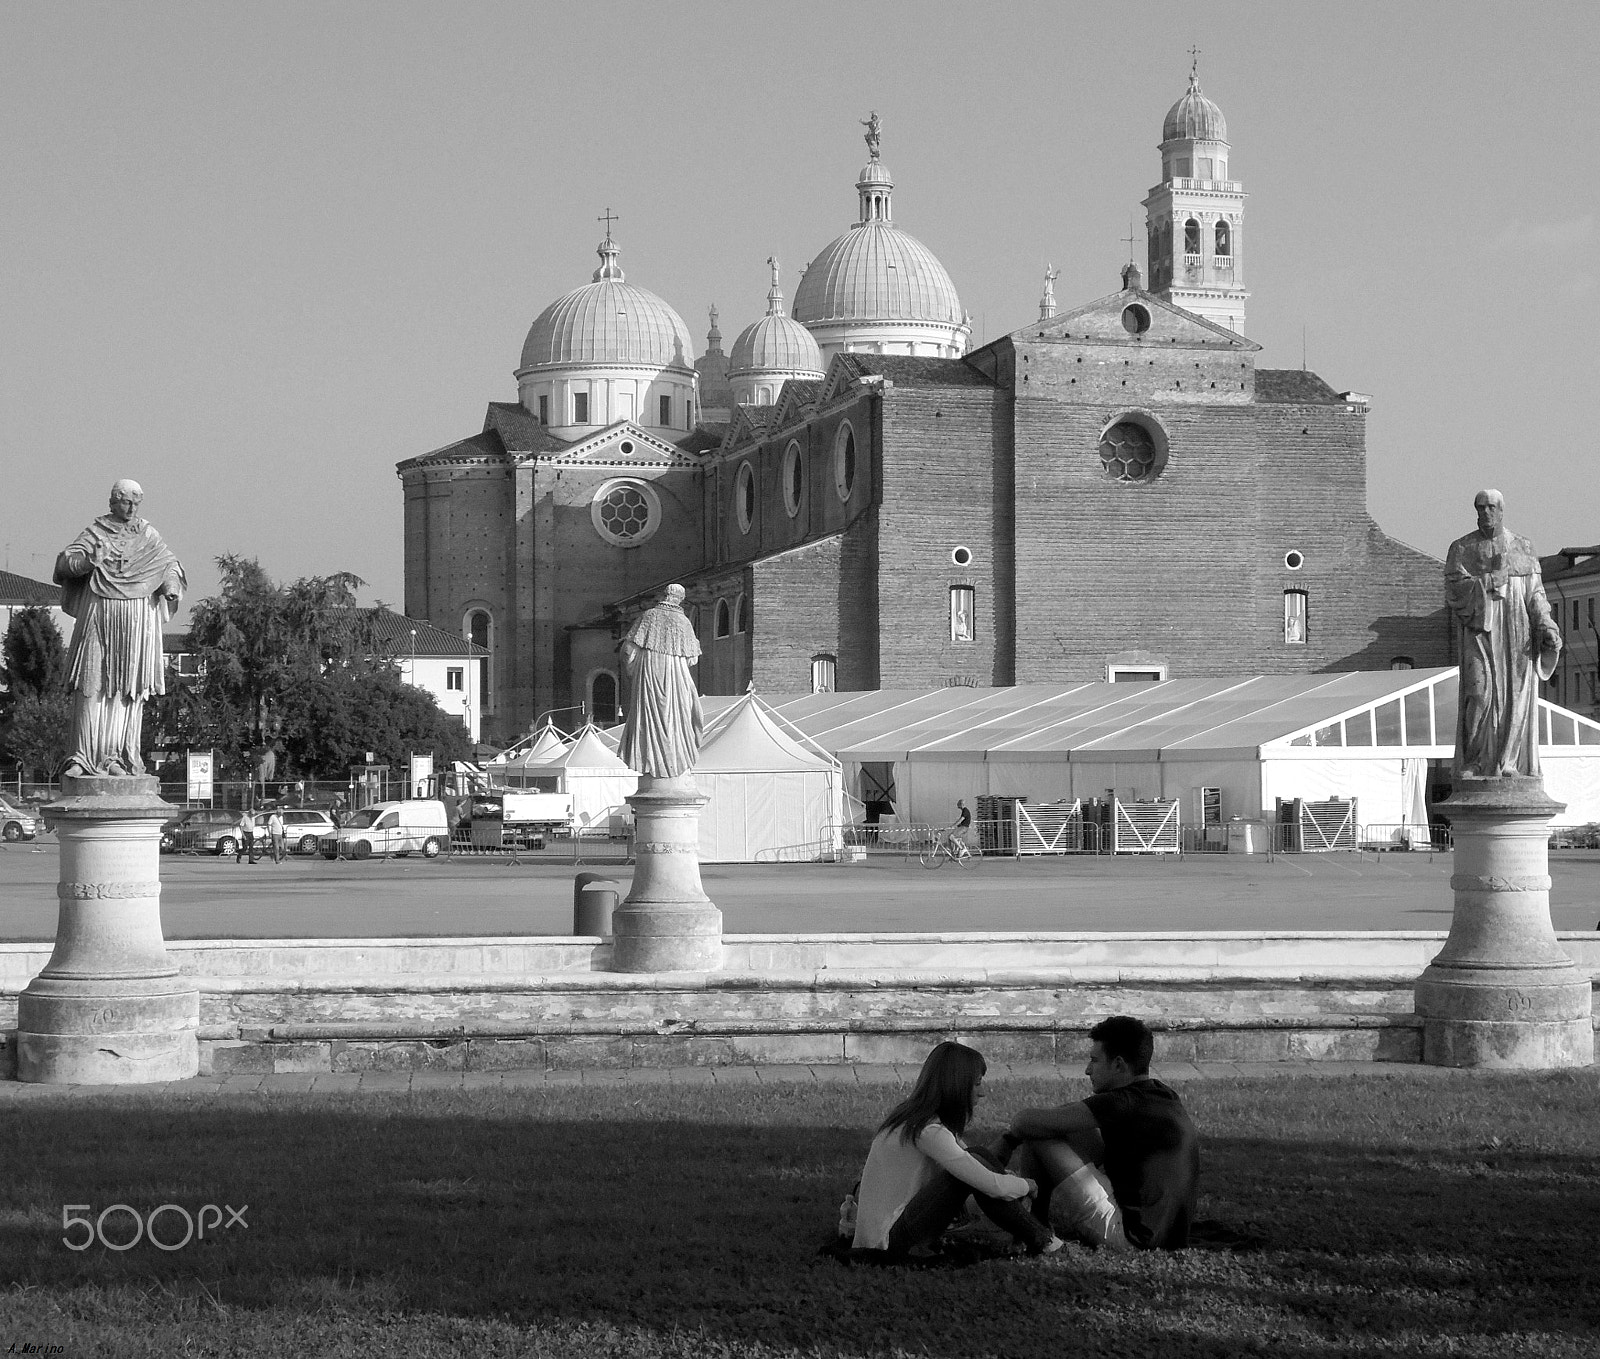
(1127, 452)
(625, 513)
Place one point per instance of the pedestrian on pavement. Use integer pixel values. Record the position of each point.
(247, 838)
(275, 831)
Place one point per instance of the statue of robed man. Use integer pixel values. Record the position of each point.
(665, 721)
(1508, 643)
(120, 582)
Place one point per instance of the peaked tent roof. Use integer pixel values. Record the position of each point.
(745, 739)
(1172, 720)
(588, 751)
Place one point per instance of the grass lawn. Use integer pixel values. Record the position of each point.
(1448, 1216)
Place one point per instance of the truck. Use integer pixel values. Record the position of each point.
(506, 818)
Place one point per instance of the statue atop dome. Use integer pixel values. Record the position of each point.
(873, 138)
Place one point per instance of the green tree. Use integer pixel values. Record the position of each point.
(34, 656)
(296, 669)
(35, 708)
(332, 721)
(38, 731)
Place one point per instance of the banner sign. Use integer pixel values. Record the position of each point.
(200, 775)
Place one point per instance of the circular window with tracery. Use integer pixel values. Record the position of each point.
(625, 513)
(1131, 452)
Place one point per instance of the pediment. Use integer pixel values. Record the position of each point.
(623, 444)
(1101, 322)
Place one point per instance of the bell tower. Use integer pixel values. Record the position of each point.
(1194, 218)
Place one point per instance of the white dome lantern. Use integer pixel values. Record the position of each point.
(771, 351)
(877, 289)
(608, 351)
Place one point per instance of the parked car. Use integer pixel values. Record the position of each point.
(391, 828)
(303, 828)
(16, 823)
(202, 830)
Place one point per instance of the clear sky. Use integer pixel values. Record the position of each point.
(255, 254)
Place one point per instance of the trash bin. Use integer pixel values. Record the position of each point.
(1246, 837)
(594, 898)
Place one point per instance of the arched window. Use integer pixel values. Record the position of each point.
(741, 615)
(1294, 617)
(844, 461)
(1402, 663)
(1191, 237)
(794, 479)
(1224, 243)
(823, 669)
(724, 627)
(603, 698)
(744, 496)
(478, 628)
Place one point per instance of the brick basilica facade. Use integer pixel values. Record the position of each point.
(1116, 491)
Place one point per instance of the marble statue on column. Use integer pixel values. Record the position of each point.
(1502, 992)
(667, 923)
(665, 719)
(1508, 643)
(119, 582)
(111, 1006)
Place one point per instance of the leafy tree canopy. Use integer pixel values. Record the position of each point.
(33, 654)
(296, 668)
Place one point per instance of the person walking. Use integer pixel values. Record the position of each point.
(247, 837)
(275, 833)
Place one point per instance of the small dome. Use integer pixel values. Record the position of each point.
(1194, 116)
(875, 172)
(876, 272)
(609, 321)
(775, 344)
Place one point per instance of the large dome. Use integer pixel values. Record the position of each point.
(1194, 116)
(876, 272)
(609, 321)
(776, 344)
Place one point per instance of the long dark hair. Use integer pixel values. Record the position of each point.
(944, 1092)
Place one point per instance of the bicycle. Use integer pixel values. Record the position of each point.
(946, 845)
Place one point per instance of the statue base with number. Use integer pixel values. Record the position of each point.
(110, 1007)
(1502, 992)
(667, 924)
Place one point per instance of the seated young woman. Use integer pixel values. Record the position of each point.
(919, 1172)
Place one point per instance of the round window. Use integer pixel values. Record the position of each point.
(627, 447)
(794, 479)
(744, 496)
(962, 556)
(844, 462)
(625, 513)
(1128, 452)
(1294, 560)
(1135, 319)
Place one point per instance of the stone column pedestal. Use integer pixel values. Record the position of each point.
(1502, 992)
(110, 1007)
(667, 924)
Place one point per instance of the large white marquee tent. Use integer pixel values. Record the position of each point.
(771, 796)
(1368, 736)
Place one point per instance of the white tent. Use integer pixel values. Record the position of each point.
(772, 797)
(1370, 736)
(520, 765)
(597, 779)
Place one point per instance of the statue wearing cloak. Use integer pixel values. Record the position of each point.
(119, 582)
(1508, 642)
(665, 721)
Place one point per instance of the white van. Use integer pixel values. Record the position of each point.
(391, 828)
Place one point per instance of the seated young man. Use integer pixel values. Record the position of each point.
(1124, 1164)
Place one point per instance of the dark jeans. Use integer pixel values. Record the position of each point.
(935, 1205)
(247, 846)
